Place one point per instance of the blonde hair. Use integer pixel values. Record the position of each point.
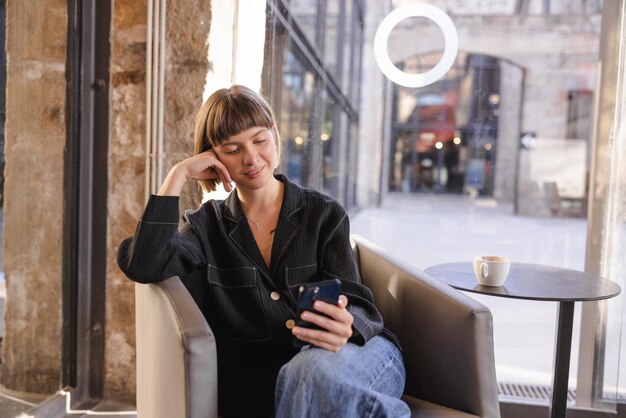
(228, 112)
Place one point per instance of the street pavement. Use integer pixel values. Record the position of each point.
(427, 229)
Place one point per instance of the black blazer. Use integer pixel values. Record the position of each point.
(251, 304)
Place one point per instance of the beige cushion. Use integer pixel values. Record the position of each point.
(424, 409)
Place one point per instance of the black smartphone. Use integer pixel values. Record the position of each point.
(326, 290)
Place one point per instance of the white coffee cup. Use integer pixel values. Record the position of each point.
(491, 270)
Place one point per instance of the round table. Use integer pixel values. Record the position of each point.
(541, 283)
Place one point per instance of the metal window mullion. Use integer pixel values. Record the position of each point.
(591, 360)
(85, 194)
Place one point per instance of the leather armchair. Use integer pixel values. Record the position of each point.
(447, 340)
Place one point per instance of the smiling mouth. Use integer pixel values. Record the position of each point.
(254, 172)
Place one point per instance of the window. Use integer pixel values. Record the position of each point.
(311, 84)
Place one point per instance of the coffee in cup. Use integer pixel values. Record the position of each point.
(491, 270)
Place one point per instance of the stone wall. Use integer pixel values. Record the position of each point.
(186, 70)
(126, 196)
(35, 140)
(33, 205)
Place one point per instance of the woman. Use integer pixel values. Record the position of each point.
(257, 247)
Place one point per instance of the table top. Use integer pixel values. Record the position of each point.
(530, 281)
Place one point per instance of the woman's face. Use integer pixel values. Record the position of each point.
(250, 157)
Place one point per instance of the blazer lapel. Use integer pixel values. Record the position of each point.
(240, 233)
(288, 223)
(286, 230)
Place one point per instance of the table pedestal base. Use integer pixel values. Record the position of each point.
(562, 354)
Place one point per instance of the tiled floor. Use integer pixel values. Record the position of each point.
(11, 407)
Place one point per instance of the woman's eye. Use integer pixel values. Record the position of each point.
(230, 152)
(259, 141)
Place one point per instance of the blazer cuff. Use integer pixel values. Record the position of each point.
(363, 331)
(356, 338)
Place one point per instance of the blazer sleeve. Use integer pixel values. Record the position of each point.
(338, 262)
(159, 250)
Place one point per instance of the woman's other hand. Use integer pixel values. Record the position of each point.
(337, 327)
(204, 166)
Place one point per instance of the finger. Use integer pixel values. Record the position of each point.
(324, 340)
(209, 166)
(342, 303)
(199, 167)
(337, 312)
(343, 329)
(225, 182)
(319, 338)
(223, 174)
(223, 171)
(219, 167)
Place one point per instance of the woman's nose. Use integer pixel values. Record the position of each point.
(249, 156)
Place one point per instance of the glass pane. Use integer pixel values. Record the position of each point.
(494, 158)
(305, 13)
(356, 53)
(295, 115)
(333, 33)
(331, 140)
(314, 116)
(445, 136)
(348, 48)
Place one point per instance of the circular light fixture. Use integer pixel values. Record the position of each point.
(451, 45)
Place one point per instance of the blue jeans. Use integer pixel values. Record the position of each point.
(358, 381)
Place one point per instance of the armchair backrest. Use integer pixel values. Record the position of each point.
(447, 337)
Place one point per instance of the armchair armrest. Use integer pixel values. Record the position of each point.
(176, 354)
(447, 337)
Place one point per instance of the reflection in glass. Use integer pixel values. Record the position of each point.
(330, 147)
(305, 13)
(503, 142)
(294, 115)
(445, 135)
(333, 33)
(312, 81)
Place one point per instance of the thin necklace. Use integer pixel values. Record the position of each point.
(259, 225)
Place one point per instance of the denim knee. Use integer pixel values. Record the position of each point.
(354, 382)
(310, 366)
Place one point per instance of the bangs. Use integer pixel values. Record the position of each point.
(236, 113)
(228, 112)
